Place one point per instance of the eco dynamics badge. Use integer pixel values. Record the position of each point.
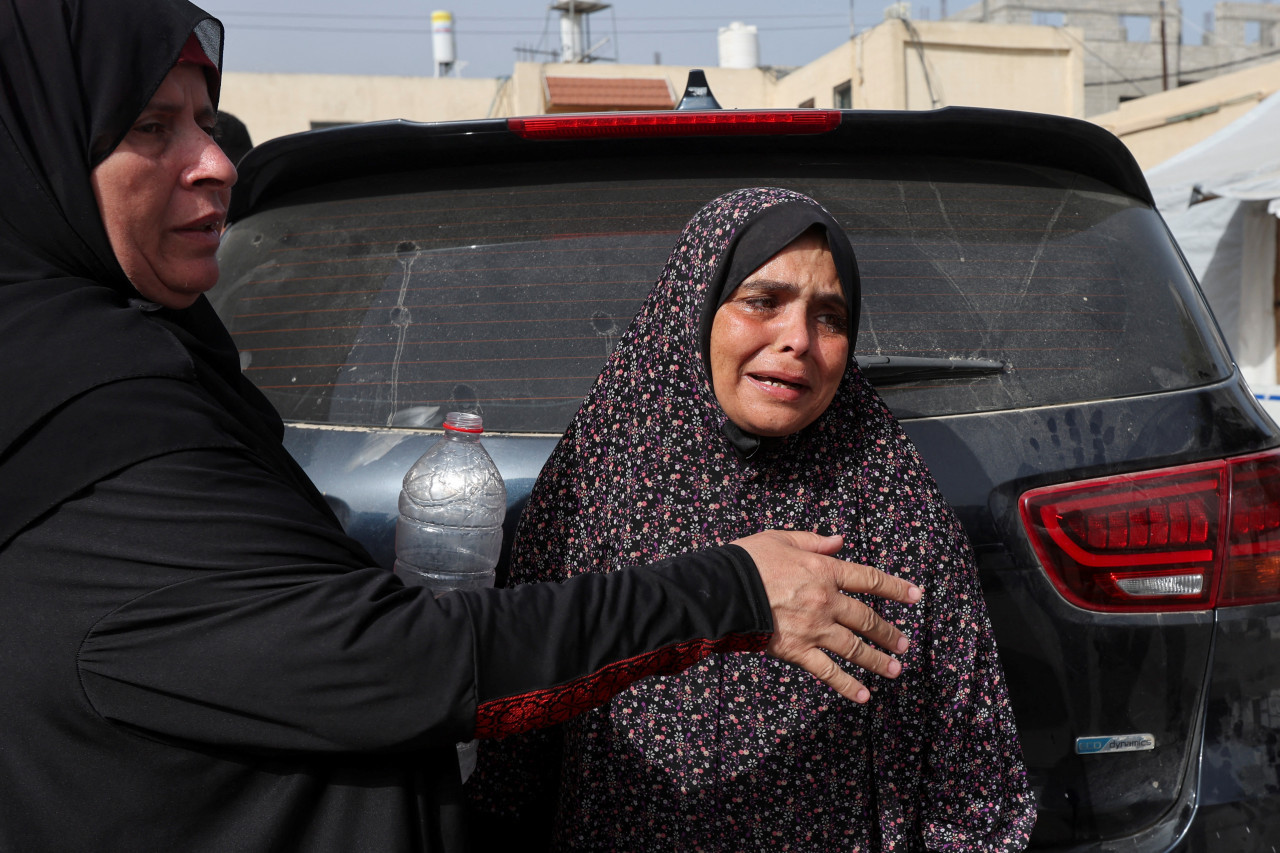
(1114, 743)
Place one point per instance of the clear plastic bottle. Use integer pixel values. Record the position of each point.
(449, 533)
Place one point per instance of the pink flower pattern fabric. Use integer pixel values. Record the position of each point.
(745, 752)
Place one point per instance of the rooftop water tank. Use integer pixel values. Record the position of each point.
(442, 46)
(739, 46)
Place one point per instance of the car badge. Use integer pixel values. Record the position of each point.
(1114, 743)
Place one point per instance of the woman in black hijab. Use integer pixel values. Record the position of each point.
(195, 655)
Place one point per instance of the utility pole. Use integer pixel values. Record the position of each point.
(1164, 52)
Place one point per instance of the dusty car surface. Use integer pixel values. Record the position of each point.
(1026, 315)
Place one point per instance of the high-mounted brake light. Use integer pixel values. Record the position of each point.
(1186, 538)
(676, 123)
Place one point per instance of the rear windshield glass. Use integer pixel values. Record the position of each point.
(393, 301)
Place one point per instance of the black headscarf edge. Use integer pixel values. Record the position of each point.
(68, 315)
(209, 32)
(759, 238)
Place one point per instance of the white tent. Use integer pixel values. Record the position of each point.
(1221, 198)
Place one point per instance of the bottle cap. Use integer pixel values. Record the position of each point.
(464, 422)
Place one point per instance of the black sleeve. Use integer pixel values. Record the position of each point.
(245, 619)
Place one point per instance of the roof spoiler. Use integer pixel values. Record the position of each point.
(697, 94)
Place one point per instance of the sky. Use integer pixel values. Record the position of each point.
(394, 36)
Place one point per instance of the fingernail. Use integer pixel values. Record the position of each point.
(915, 593)
(863, 696)
(895, 669)
(903, 644)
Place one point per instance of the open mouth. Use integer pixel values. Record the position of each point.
(209, 223)
(777, 383)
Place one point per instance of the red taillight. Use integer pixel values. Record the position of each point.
(1253, 549)
(676, 123)
(1186, 538)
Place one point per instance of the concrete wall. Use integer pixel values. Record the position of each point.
(1122, 63)
(1231, 22)
(921, 65)
(273, 105)
(1157, 127)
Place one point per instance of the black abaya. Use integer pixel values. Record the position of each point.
(194, 654)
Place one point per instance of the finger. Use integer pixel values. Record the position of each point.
(812, 542)
(855, 577)
(867, 657)
(862, 620)
(828, 545)
(829, 673)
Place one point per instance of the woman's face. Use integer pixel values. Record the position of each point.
(780, 343)
(163, 193)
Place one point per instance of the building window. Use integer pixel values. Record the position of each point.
(806, 104)
(1136, 27)
(1048, 19)
(321, 125)
(1253, 32)
(842, 96)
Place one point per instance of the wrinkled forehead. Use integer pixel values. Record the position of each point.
(772, 231)
(806, 262)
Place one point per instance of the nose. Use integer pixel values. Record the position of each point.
(210, 166)
(794, 332)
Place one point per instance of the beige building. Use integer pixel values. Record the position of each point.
(899, 64)
(920, 65)
(1133, 48)
(1158, 126)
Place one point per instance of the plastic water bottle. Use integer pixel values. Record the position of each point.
(449, 533)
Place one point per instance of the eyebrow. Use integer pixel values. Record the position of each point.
(768, 285)
(175, 107)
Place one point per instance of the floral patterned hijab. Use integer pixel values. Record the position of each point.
(745, 751)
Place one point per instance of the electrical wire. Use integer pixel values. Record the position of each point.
(340, 30)
(507, 18)
(1103, 60)
(918, 43)
(1189, 71)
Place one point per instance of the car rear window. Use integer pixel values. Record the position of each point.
(392, 300)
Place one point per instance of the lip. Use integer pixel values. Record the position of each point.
(211, 220)
(205, 229)
(760, 381)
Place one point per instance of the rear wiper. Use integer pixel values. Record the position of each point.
(883, 370)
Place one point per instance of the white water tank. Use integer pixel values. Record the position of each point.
(572, 40)
(442, 45)
(739, 46)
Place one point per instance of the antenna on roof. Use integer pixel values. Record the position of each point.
(697, 94)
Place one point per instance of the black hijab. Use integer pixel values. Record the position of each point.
(76, 74)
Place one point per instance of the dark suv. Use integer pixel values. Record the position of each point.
(1026, 315)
